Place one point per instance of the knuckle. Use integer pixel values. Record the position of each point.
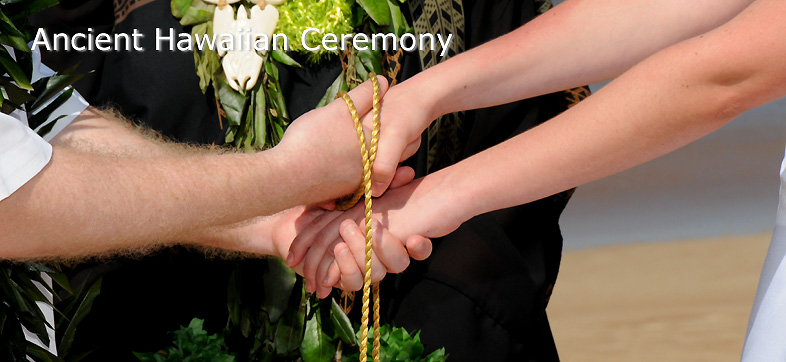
(352, 286)
(323, 240)
(400, 266)
(377, 274)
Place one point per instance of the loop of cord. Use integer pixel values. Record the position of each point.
(369, 155)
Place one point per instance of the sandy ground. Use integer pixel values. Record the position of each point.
(669, 301)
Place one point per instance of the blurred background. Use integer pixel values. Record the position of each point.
(724, 184)
(662, 261)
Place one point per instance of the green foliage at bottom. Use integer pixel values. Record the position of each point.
(397, 345)
(191, 344)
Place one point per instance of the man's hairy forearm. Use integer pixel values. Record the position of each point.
(88, 202)
(105, 131)
(109, 187)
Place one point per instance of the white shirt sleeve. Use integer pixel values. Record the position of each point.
(23, 154)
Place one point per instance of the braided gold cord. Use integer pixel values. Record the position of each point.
(375, 347)
(368, 160)
(376, 106)
(346, 204)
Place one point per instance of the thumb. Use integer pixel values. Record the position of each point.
(389, 151)
(419, 247)
(363, 96)
(404, 175)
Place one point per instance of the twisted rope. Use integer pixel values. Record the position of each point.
(369, 155)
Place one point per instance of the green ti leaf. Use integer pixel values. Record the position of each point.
(360, 69)
(46, 88)
(14, 70)
(317, 346)
(179, 7)
(206, 62)
(339, 85)
(279, 281)
(44, 130)
(371, 60)
(232, 102)
(83, 303)
(291, 327)
(398, 23)
(258, 118)
(39, 354)
(42, 115)
(19, 11)
(341, 324)
(377, 10)
(10, 35)
(13, 96)
(284, 58)
(199, 12)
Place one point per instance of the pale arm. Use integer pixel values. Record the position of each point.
(670, 99)
(578, 42)
(673, 98)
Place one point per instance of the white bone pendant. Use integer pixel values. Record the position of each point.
(242, 64)
(223, 25)
(242, 69)
(263, 21)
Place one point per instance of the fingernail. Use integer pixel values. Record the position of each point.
(343, 252)
(290, 258)
(377, 188)
(347, 229)
(326, 281)
(326, 293)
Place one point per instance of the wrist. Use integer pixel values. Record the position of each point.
(253, 236)
(426, 95)
(444, 88)
(462, 206)
(313, 175)
(458, 205)
(437, 207)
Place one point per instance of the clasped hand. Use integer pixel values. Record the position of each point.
(329, 249)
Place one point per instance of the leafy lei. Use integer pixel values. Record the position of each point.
(258, 117)
(276, 320)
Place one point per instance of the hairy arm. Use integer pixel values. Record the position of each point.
(91, 200)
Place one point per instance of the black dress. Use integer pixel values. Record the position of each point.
(482, 294)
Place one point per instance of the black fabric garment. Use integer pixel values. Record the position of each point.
(483, 293)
